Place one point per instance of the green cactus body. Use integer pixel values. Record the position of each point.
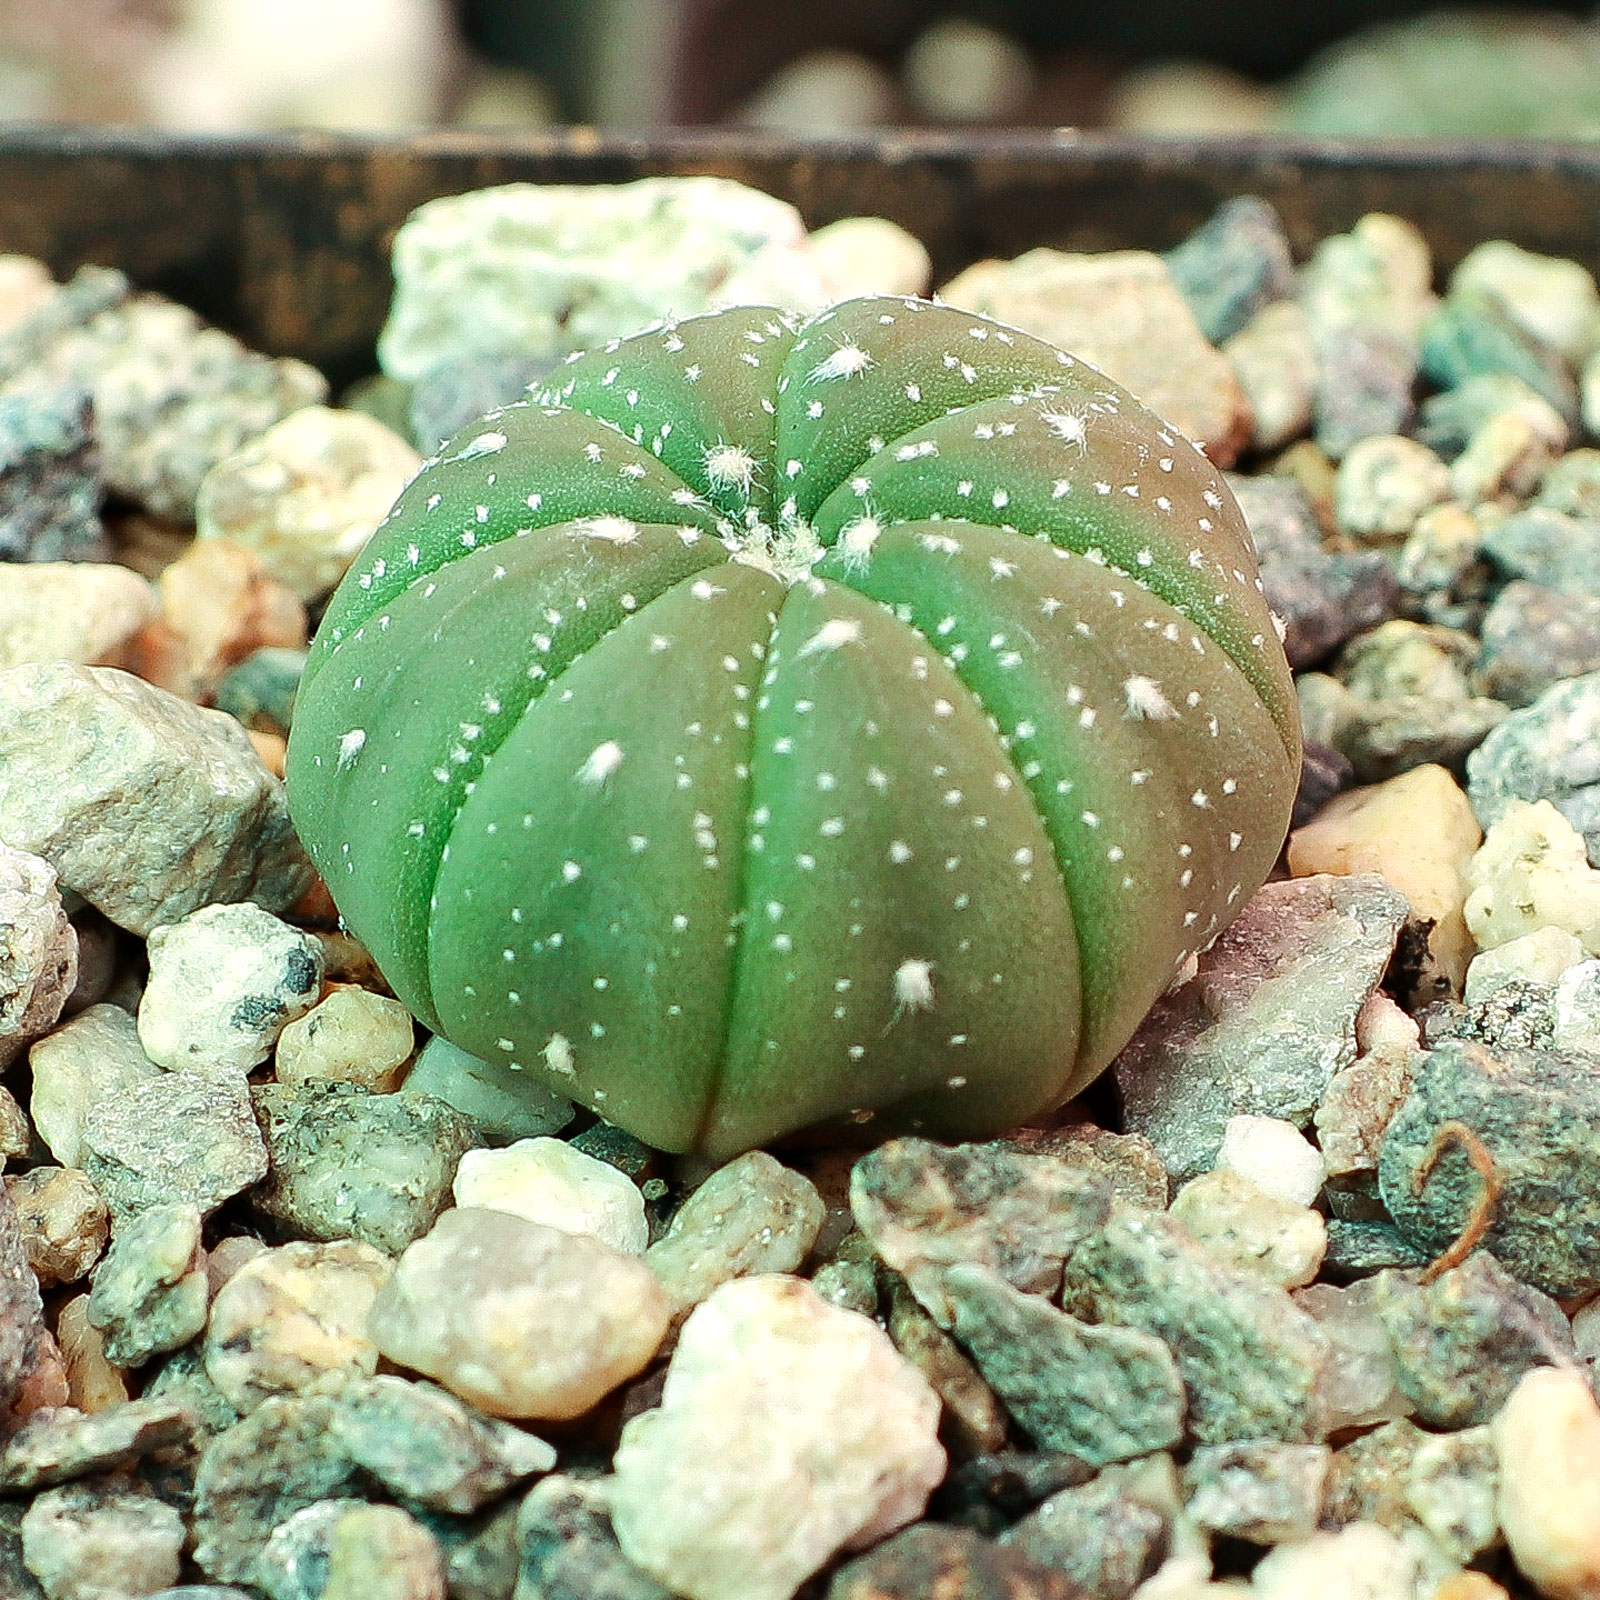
(775, 727)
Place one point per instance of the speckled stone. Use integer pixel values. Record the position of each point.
(1266, 1021)
(97, 1539)
(1241, 1224)
(258, 1473)
(1533, 638)
(292, 1318)
(1384, 484)
(429, 1448)
(1324, 597)
(1264, 1491)
(1399, 696)
(974, 1420)
(173, 1138)
(223, 982)
(51, 476)
(1249, 1356)
(539, 270)
(517, 1318)
(172, 396)
(501, 1112)
(1366, 294)
(1508, 454)
(38, 951)
(1447, 421)
(1103, 1393)
(1552, 299)
(787, 1430)
(147, 806)
(1538, 1116)
(1470, 334)
(182, 1378)
(569, 1550)
(1234, 266)
(752, 1215)
(927, 1207)
(150, 1293)
(64, 1222)
(1462, 1342)
(349, 1550)
(1108, 1536)
(953, 1563)
(1545, 752)
(91, 1058)
(56, 1446)
(1551, 548)
(346, 1164)
(1127, 1161)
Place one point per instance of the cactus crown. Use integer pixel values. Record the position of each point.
(767, 725)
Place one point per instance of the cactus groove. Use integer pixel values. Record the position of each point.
(771, 726)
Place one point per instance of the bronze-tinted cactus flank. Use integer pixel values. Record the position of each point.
(775, 725)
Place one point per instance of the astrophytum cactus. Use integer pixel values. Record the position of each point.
(775, 726)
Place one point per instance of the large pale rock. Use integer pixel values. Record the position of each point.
(1418, 832)
(38, 951)
(1121, 312)
(520, 1319)
(1548, 1442)
(147, 806)
(307, 494)
(541, 270)
(788, 1430)
(84, 611)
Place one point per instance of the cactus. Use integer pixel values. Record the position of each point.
(775, 726)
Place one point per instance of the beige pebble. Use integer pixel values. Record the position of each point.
(84, 611)
(93, 1382)
(1121, 312)
(222, 604)
(293, 1316)
(519, 1319)
(351, 1036)
(1241, 1224)
(89, 1059)
(1384, 484)
(1419, 832)
(1547, 1438)
(1532, 872)
(869, 255)
(273, 749)
(307, 494)
(547, 1180)
(228, 1256)
(64, 1222)
(1273, 358)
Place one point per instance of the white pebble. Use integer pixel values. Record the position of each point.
(547, 1180)
(1275, 1156)
(788, 1430)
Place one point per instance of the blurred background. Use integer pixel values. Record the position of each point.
(1365, 67)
